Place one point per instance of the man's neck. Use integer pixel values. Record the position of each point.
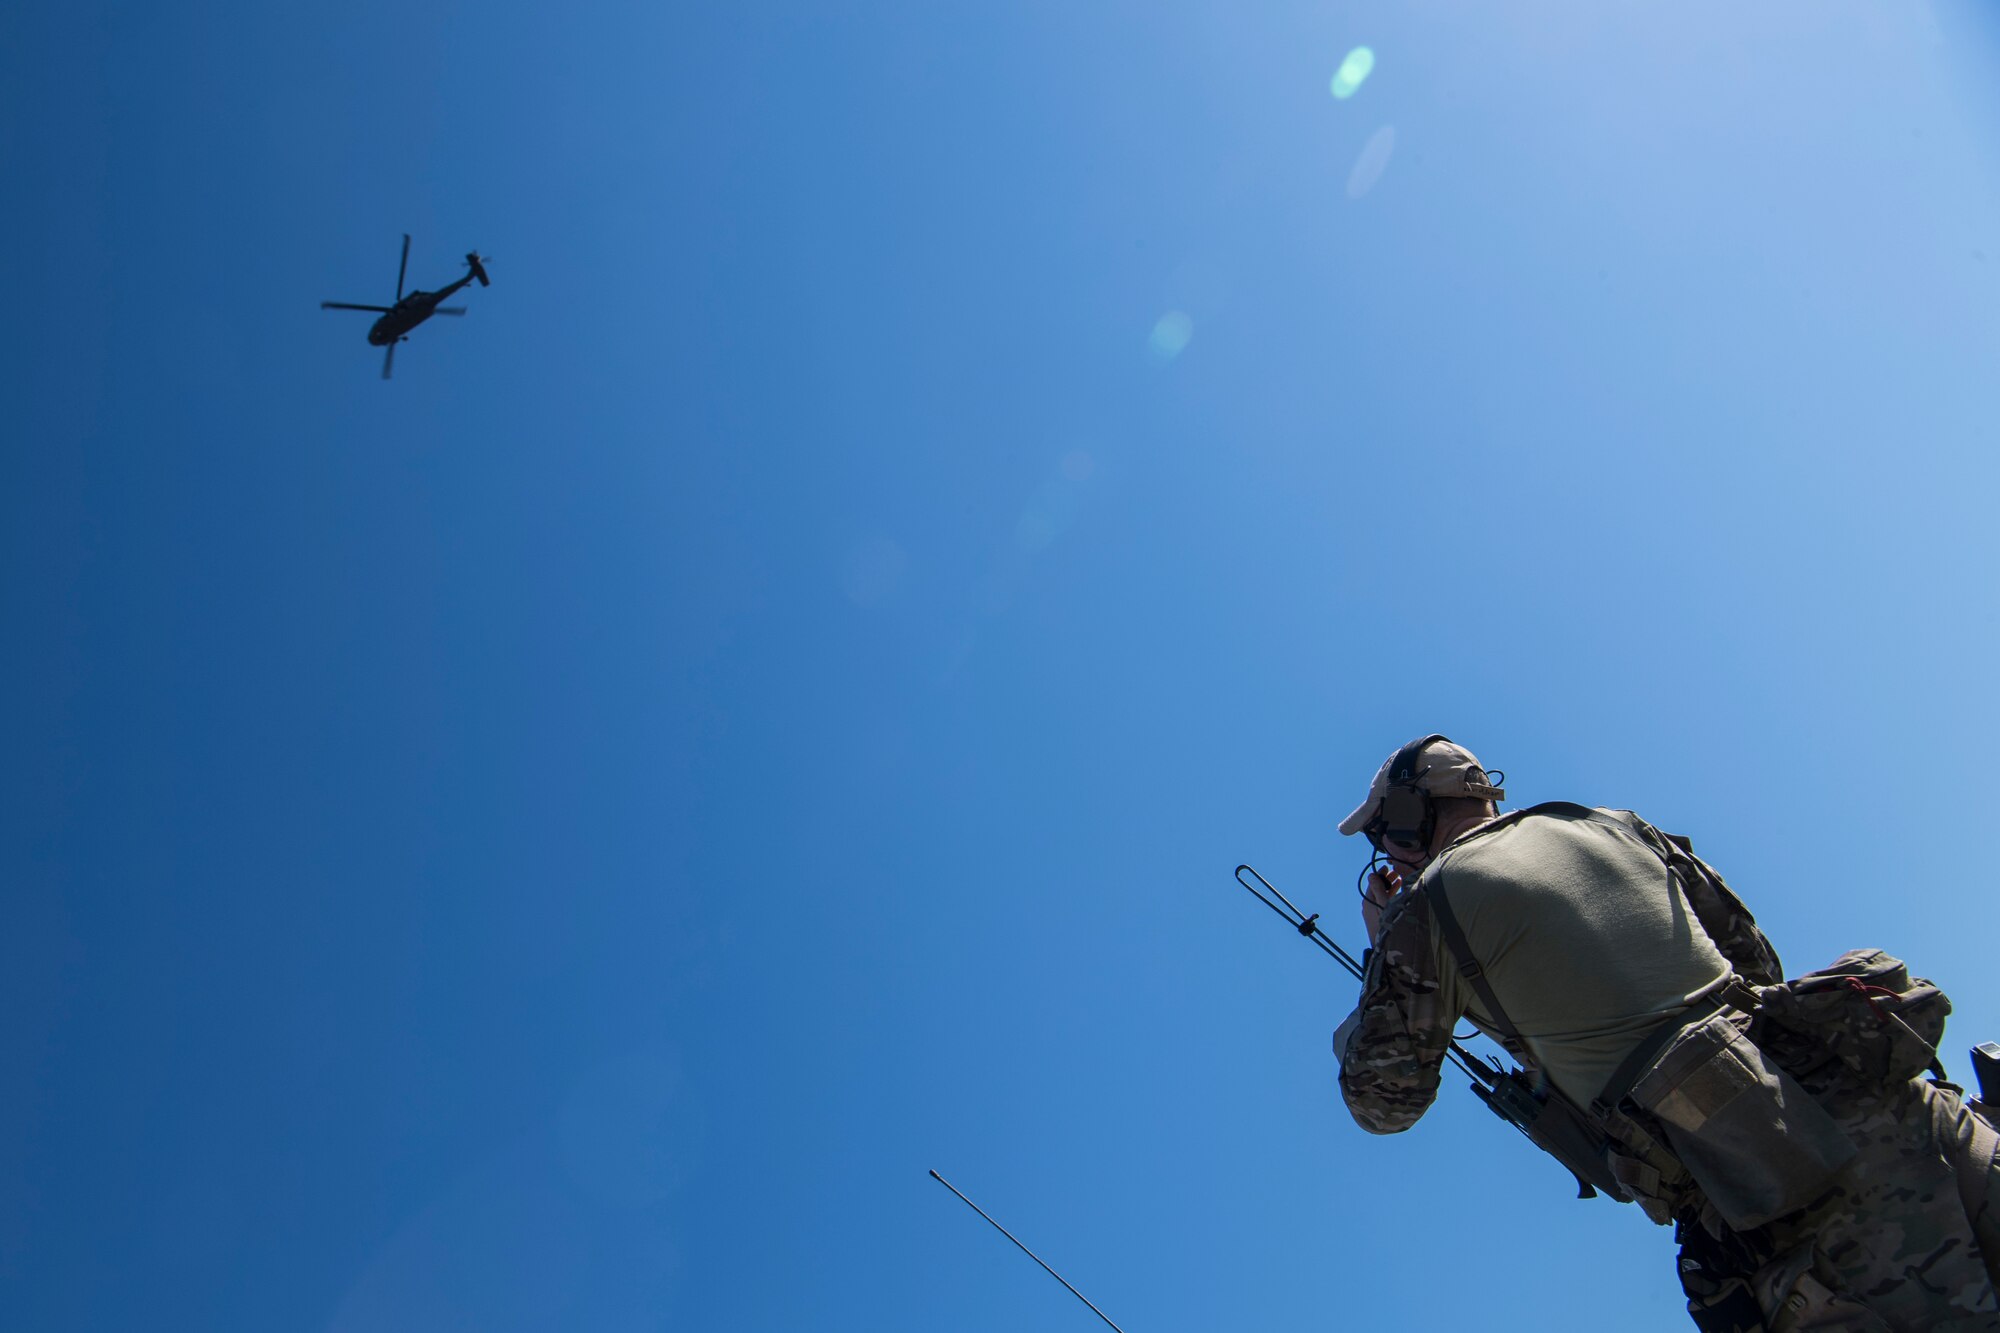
(1451, 832)
(1443, 836)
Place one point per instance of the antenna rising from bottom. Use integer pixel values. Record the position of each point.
(1024, 1249)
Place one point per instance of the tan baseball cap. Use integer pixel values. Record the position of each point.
(1442, 769)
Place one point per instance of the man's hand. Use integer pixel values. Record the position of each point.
(1383, 886)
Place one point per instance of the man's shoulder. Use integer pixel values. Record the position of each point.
(1553, 813)
(1516, 824)
(1517, 846)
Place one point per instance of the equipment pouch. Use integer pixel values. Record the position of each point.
(1751, 1137)
(1864, 1020)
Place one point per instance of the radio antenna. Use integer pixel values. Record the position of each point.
(1024, 1249)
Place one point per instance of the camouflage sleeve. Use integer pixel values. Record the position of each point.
(1392, 1045)
(1721, 913)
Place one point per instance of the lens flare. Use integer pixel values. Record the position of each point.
(1353, 72)
(1374, 160)
(1171, 333)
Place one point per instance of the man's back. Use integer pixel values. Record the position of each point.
(1582, 933)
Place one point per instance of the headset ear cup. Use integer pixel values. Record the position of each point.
(1405, 812)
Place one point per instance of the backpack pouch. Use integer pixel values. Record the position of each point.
(1864, 1019)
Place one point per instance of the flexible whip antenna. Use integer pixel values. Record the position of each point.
(1468, 1063)
(1024, 1249)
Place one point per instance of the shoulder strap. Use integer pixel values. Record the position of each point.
(1468, 963)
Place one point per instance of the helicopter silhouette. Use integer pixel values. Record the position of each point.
(409, 311)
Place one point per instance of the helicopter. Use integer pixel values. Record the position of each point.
(409, 311)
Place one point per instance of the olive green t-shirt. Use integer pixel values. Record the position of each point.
(1583, 936)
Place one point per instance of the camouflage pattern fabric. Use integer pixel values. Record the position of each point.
(1393, 1047)
(1969, 1137)
(1891, 1236)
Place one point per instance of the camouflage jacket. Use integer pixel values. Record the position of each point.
(1393, 1044)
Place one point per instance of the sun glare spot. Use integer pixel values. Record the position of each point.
(1171, 333)
(1353, 72)
(1374, 160)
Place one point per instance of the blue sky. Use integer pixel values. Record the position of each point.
(768, 704)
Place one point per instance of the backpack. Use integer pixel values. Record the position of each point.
(1863, 1023)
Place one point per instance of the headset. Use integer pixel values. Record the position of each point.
(1407, 816)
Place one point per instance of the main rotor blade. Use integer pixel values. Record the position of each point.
(403, 267)
(449, 310)
(389, 361)
(342, 305)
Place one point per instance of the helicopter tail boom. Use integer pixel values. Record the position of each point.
(472, 262)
